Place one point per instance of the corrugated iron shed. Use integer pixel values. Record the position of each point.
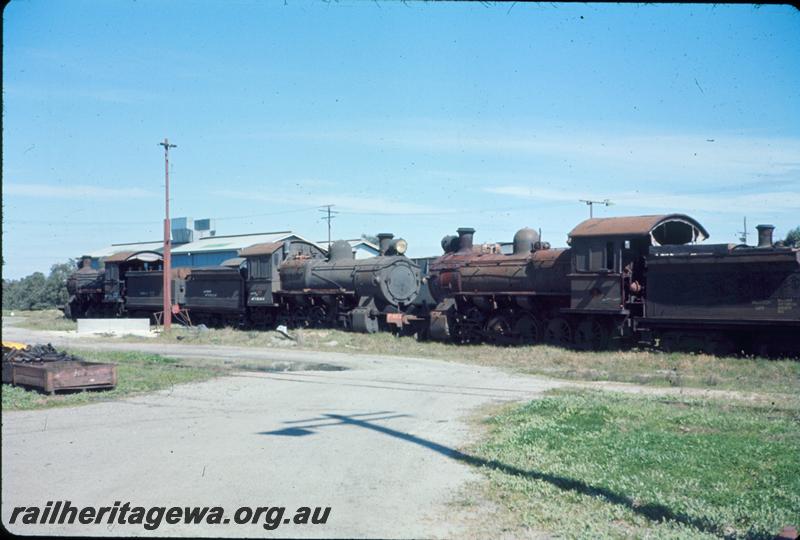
(213, 250)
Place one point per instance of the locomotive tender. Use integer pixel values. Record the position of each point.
(628, 279)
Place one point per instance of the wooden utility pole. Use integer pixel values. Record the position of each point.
(330, 215)
(743, 234)
(167, 287)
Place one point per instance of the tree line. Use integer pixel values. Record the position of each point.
(38, 291)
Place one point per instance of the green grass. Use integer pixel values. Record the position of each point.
(643, 367)
(46, 319)
(636, 366)
(136, 373)
(597, 464)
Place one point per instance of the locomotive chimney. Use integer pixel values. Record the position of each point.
(465, 238)
(765, 235)
(384, 239)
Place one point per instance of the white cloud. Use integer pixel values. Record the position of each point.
(776, 201)
(682, 156)
(78, 191)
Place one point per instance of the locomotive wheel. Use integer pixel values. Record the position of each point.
(670, 342)
(300, 317)
(470, 328)
(558, 332)
(473, 316)
(591, 335)
(528, 329)
(317, 317)
(498, 329)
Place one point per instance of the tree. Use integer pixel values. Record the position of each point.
(793, 237)
(37, 291)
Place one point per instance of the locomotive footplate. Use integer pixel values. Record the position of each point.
(580, 311)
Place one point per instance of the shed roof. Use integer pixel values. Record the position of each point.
(132, 247)
(664, 228)
(215, 244)
(233, 262)
(141, 255)
(355, 243)
(264, 248)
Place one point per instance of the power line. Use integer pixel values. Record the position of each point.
(152, 222)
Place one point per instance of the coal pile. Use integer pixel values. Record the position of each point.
(37, 353)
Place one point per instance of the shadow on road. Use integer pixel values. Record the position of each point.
(652, 511)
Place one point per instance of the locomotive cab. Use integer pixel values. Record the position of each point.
(262, 278)
(608, 281)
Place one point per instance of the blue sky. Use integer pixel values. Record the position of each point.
(413, 118)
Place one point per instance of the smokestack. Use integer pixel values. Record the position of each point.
(384, 239)
(465, 238)
(765, 235)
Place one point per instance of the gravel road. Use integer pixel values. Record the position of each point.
(372, 440)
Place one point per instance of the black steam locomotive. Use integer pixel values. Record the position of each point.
(629, 279)
(293, 283)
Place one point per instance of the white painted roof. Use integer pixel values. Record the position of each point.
(133, 246)
(211, 244)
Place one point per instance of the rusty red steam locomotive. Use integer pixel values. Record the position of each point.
(627, 280)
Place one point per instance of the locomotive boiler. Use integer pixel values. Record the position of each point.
(485, 294)
(348, 292)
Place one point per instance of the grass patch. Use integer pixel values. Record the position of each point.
(643, 367)
(45, 319)
(591, 464)
(136, 373)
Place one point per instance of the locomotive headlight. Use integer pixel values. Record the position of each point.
(400, 246)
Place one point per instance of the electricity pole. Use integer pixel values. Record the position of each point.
(590, 204)
(743, 237)
(326, 208)
(167, 287)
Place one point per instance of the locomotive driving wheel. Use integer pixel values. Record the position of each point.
(498, 329)
(470, 326)
(528, 329)
(558, 332)
(591, 335)
(318, 317)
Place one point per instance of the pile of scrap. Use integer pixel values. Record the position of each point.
(48, 369)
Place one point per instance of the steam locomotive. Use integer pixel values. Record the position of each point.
(624, 280)
(292, 282)
(628, 280)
